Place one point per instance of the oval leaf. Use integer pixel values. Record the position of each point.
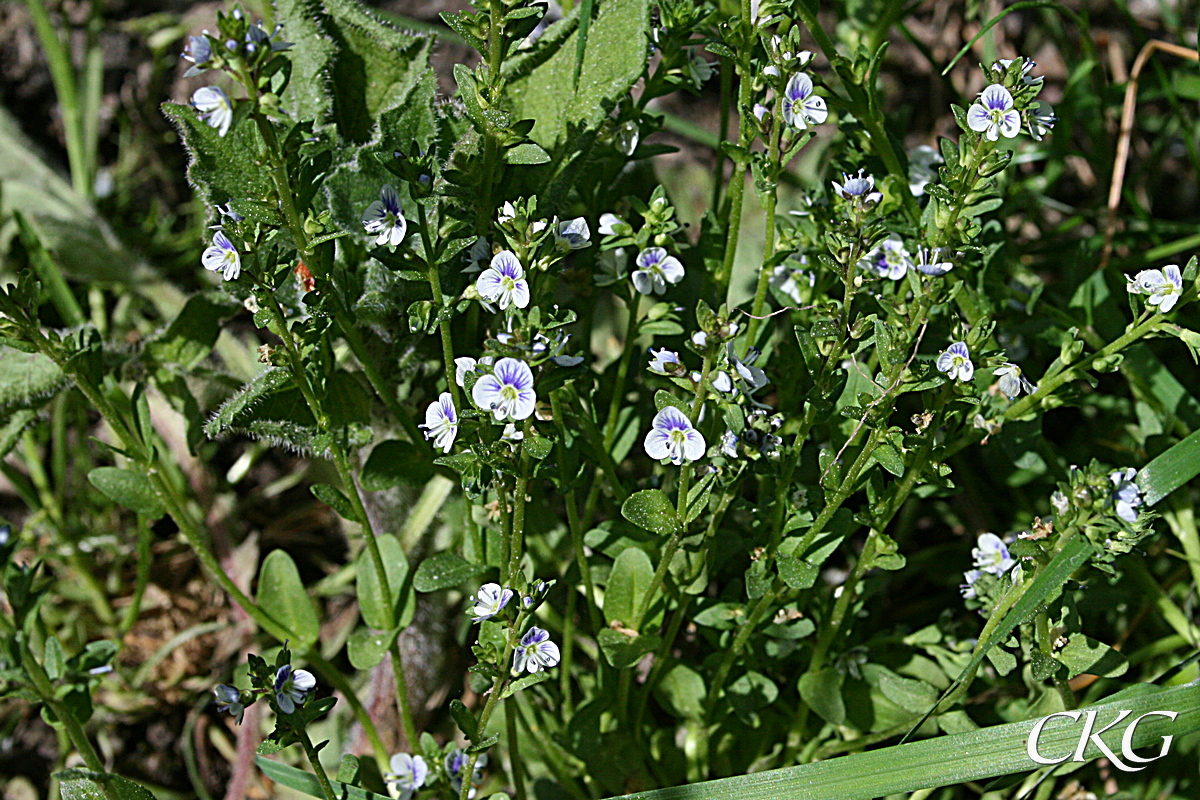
(651, 510)
(282, 594)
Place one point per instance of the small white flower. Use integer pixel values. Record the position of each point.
(729, 443)
(859, 190)
(889, 260)
(1164, 286)
(291, 687)
(1127, 495)
(929, 263)
(753, 377)
(214, 107)
(222, 257)
(1060, 503)
(535, 652)
(463, 365)
(507, 213)
(663, 361)
(722, 382)
(993, 114)
(1040, 120)
(572, 234)
(801, 106)
(1027, 65)
(490, 600)
(385, 217)
(478, 255)
(1012, 382)
(772, 70)
(955, 361)
(700, 339)
(230, 699)
(655, 270)
(968, 588)
(507, 391)
(922, 168)
(408, 774)
(612, 225)
(992, 554)
(504, 281)
(441, 422)
(672, 436)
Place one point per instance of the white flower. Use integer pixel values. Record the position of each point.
(385, 217)
(508, 391)
(478, 255)
(535, 652)
(922, 168)
(663, 361)
(859, 190)
(441, 422)
(507, 213)
(729, 443)
(572, 234)
(993, 114)
(968, 588)
(700, 339)
(955, 361)
(612, 225)
(1012, 381)
(222, 257)
(1027, 65)
(230, 699)
(888, 260)
(1040, 119)
(753, 377)
(408, 774)
(928, 262)
(504, 281)
(722, 382)
(992, 554)
(1164, 286)
(490, 600)
(801, 107)
(291, 687)
(214, 107)
(1127, 495)
(655, 270)
(672, 436)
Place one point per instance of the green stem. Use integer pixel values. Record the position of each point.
(514, 753)
(516, 548)
(133, 610)
(45, 691)
(726, 77)
(573, 521)
(493, 697)
(737, 182)
(764, 276)
(315, 760)
(614, 404)
(439, 303)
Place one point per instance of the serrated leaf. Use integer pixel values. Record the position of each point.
(281, 594)
(130, 489)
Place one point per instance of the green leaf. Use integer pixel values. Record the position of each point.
(190, 337)
(544, 88)
(749, 693)
(306, 782)
(444, 571)
(13, 427)
(527, 153)
(911, 695)
(681, 692)
(627, 584)
(366, 648)
(1083, 654)
(82, 784)
(622, 650)
(1170, 470)
(27, 380)
(651, 509)
(395, 463)
(130, 489)
(822, 691)
(464, 718)
(335, 499)
(348, 770)
(948, 760)
(524, 683)
(281, 594)
(537, 447)
(379, 610)
(253, 393)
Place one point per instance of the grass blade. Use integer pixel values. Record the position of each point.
(1170, 470)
